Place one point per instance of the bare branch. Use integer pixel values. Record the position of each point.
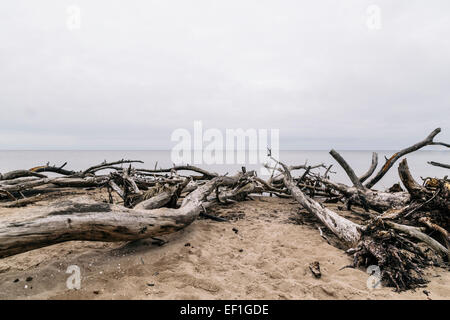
(390, 162)
(350, 173)
(437, 164)
(372, 168)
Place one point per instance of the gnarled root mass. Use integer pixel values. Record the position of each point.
(400, 260)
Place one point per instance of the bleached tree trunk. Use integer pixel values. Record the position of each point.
(84, 219)
(344, 229)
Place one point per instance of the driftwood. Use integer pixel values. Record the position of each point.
(390, 162)
(372, 168)
(401, 263)
(392, 231)
(84, 219)
(437, 164)
(341, 227)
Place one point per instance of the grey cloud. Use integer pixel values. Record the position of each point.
(136, 71)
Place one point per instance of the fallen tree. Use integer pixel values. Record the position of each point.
(401, 261)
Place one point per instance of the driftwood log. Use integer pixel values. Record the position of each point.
(401, 263)
(84, 219)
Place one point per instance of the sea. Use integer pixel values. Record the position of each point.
(359, 160)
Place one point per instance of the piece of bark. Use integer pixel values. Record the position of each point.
(315, 269)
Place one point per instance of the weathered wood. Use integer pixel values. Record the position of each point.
(54, 169)
(350, 173)
(437, 164)
(157, 201)
(390, 162)
(75, 182)
(416, 190)
(377, 200)
(17, 181)
(205, 173)
(19, 174)
(108, 164)
(84, 219)
(344, 229)
(372, 168)
(418, 234)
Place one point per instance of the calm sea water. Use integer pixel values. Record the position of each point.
(359, 160)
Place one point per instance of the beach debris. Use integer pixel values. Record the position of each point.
(323, 235)
(315, 269)
(158, 241)
(403, 230)
(215, 218)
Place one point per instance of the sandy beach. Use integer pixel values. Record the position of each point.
(264, 252)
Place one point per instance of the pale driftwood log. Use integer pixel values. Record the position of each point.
(17, 181)
(84, 219)
(157, 201)
(25, 185)
(79, 182)
(164, 196)
(390, 162)
(427, 221)
(116, 188)
(131, 182)
(59, 181)
(19, 174)
(377, 200)
(344, 229)
(419, 235)
(239, 192)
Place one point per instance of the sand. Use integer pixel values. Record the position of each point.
(263, 253)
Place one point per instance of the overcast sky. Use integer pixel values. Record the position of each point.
(137, 70)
